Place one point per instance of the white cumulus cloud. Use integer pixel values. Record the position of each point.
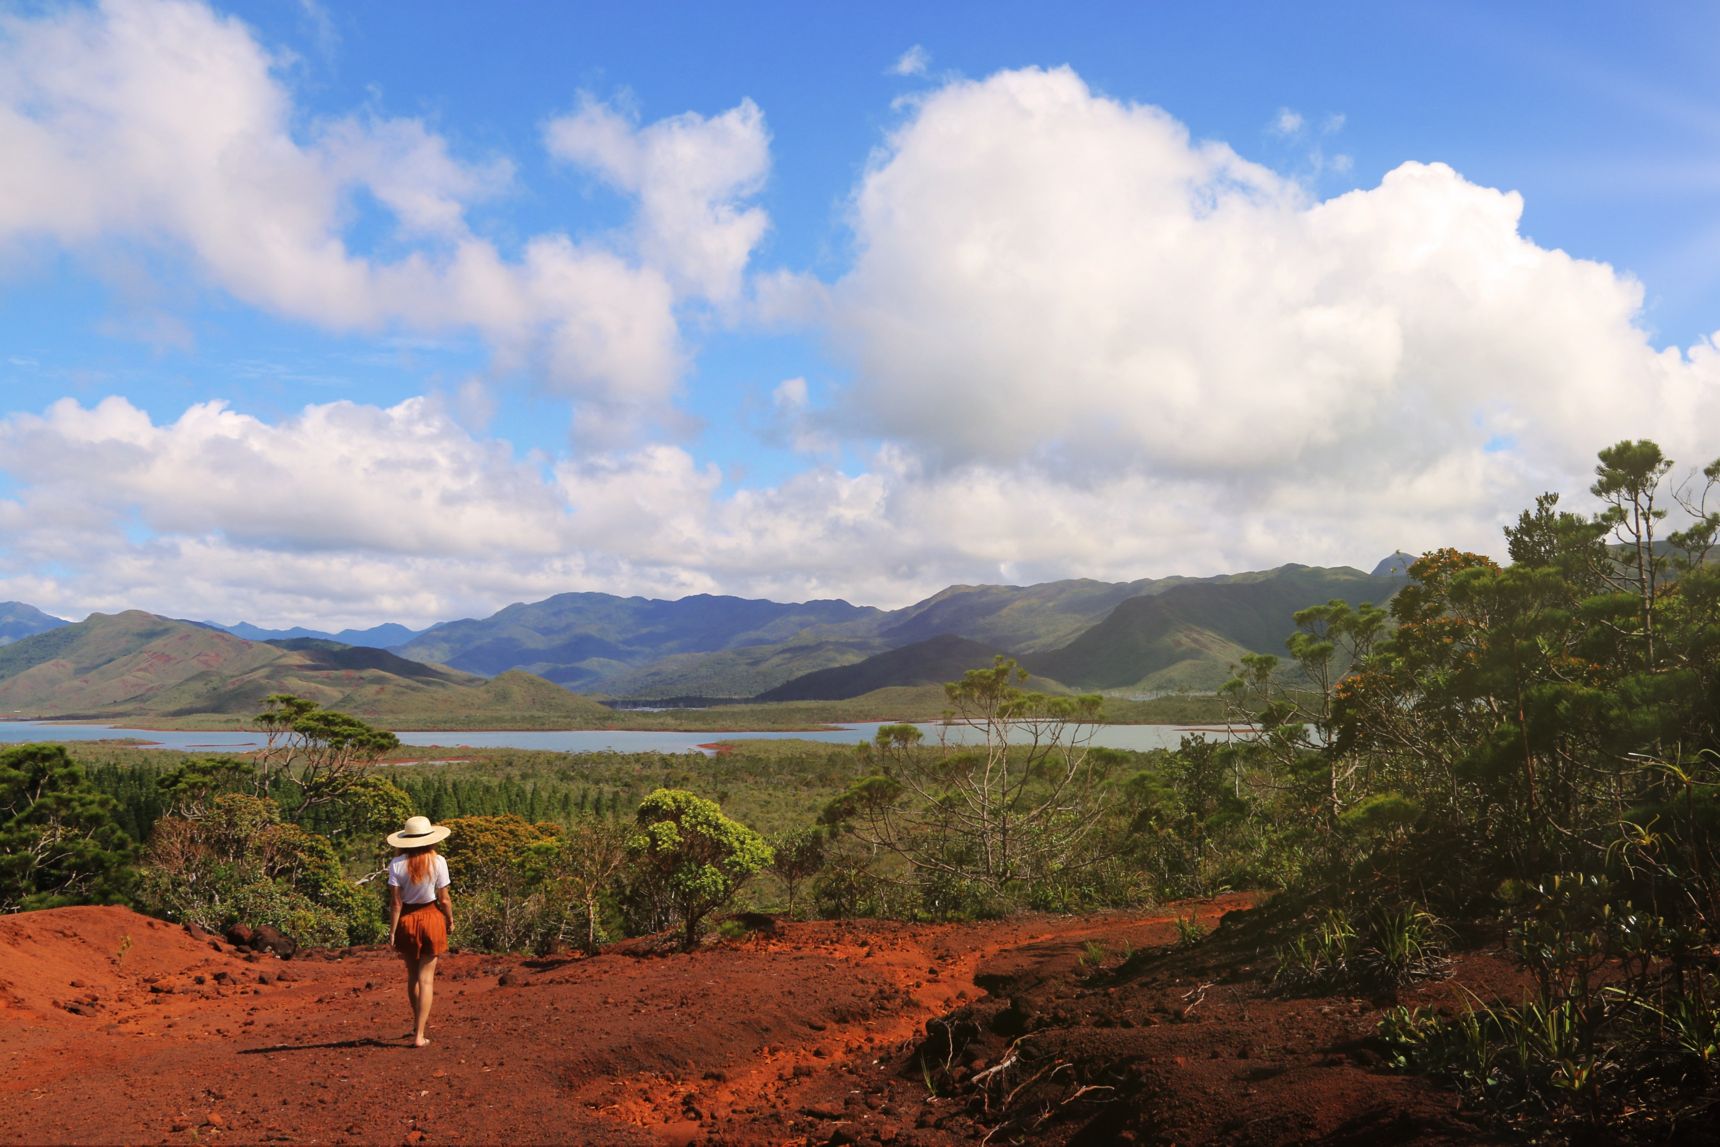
(691, 176)
(165, 123)
(1067, 287)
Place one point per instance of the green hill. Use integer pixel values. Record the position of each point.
(930, 662)
(584, 640)
(1188, 635)
(138, 666)
(1024, 619)
(739, 673)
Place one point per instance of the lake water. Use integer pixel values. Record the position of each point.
(566, 741)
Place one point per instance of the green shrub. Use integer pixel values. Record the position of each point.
(59, 841)
(1190, 931)
(501, 904)
(237, 862)
(1401, 944)
(796, 856)
(848, 888)
(691, 857)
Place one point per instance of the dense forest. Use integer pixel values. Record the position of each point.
(1527, 750)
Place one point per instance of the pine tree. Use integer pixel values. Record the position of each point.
(59, 840)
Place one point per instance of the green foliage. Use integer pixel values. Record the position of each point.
(581, 869)
(850, 886)
(497, 867)
(692, 857)
(370, 807)
(237, 861)
(1384, 947)
(59, 841)
(796, 855)
(1623, 1019)
(321, 752)
(1190, 931)
(980, 829)
(1556, 723)
(188, 789)
(1319, 955)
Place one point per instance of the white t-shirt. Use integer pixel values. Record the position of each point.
(420, 892)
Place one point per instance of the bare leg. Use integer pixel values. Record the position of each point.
(426, 990)
(412, 990)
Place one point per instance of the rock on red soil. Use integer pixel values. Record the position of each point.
(118, 1028)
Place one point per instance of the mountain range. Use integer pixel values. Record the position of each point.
(136, 665)
(1149, 635)
(1123, 638)
(586, 641)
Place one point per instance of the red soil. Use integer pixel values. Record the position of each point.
(118, 1028)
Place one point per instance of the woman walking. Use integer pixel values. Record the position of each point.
(420, 913)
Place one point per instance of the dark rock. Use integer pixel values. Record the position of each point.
(758, 923)
(270, 939)
(240, 935)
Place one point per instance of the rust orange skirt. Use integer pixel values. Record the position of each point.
(423, 931)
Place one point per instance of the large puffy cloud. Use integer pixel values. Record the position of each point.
(689, 174)
(166, 124)
(405, 480)
(348, 515)
(1053, 280)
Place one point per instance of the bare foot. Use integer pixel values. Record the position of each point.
(421, 1041)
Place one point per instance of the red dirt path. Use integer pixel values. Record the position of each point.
(118, 1028)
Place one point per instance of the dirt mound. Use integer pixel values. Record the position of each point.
(85, 961)
(852, 1032)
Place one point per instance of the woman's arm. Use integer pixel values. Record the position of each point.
(446, 906)
(393, 912)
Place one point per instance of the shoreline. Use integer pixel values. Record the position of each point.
(149, 725)
(155, 726)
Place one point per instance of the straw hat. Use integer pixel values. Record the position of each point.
(418, 832)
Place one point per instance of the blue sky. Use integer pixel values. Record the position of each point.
(334, 315)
